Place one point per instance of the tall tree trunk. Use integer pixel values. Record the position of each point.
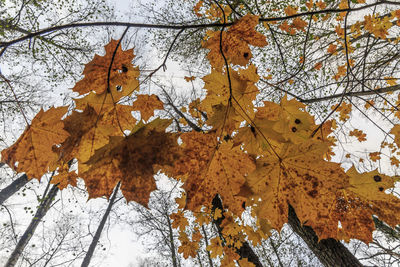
(329, 251)
(171, 241)
(40, 213)
(13, 188)
(245, 251)
(97, 235)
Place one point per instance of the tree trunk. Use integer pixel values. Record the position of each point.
(97, 235)
(40, 213)
(13, 188)
(171, 241)
(246, 250)
(329, 251)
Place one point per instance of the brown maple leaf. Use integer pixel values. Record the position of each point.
(133, 160)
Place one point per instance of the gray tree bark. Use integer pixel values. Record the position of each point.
(97, 235)
(330, 252)
(13, 188)
(30, 230)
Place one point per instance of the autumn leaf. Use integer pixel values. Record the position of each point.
(179, 220)
(363, 197)
(289, 10)
(318, 66)
(187, 247)
(146, 104)
(235, 42)
(65, 178)
(207, 169)
(359, 134)
(299, 24)
(297, 177)
(189, 79)
(374, 156)
(390, 81)
(33, 152)
(123, 76)
(133, 160)
(396, 132)
(215, 247)
(332, 48)
(233, 97)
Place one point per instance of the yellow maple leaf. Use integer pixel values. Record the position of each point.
(299, 24)
(321, 4)
(332, 48)
(341, 71)
(64, 178)
(318, 66)
(363, 197)
(301, 167)
(179, 220)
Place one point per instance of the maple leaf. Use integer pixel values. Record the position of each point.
(235, 42)
(123, 76)
(33, 152)
(179, 220)
(390, 81)
(187, 247)
(396, 132)
(298, 178)
(237, 93)
(363, 197)
(146, 104)
(299, 24)
(64, 178)
(208, 169)
(289, 10)
(133, 160)
(359, 134)
(374, 156)
(318, 66)
(215, 247)
(332, 48)
(189, 79)
(89, 131)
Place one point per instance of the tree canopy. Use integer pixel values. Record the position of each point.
(284, 85)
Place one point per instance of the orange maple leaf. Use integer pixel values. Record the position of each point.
(359, 134)
(289, 10)
(235, 42)
(146, 104)
(123, 76)
(208, 169)
(33, 152)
